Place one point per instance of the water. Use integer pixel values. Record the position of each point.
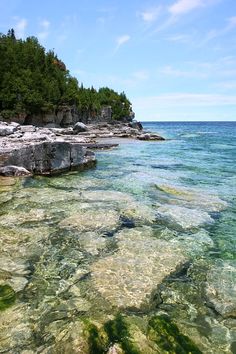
(135, 256)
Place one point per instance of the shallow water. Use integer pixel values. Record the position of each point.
(135, 256)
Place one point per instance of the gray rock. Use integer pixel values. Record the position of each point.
(7, 129)
(136, 125)
(13, 171)
(47, 157)
(80, 127)
(27, 128)
(221, 288)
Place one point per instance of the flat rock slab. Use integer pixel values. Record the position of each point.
(92, 219)
(183, 218)
(221, 288)
(128, 278)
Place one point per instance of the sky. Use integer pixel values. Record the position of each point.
(174, 59)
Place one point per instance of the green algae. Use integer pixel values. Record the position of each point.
(118, 332)
(169, 339)
(113, 332)
(7, 296)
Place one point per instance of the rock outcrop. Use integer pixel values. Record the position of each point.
(41, 150)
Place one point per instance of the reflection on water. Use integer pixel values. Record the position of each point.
(137, 256)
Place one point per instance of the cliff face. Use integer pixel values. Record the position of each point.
(66, 116)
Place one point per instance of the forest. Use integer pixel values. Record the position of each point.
(35, 81)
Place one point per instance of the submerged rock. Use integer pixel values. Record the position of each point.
(92, 219)
(182, 217)
(194, 198)
(7, 296)
(221, 288)
(128, 277)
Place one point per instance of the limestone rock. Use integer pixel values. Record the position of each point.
(92, 219)
(128, 277)
(183, 218)
(221, 288)
(7, 129)
(80, 127)
(12, 170)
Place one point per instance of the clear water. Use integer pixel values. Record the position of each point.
(150, 232)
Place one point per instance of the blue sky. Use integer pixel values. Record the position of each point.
(175, 59)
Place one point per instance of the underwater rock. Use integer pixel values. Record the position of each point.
(182, 218)
(7, 296)
(221, 288)
(194, 198)
(128, 277)
(92, 242)
(91, 220)
(168, 337)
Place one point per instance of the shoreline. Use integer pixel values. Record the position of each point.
(31, 150)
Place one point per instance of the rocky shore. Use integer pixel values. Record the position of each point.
(27, 149)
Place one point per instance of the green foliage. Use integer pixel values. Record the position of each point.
(168, 337)
(7, 297)
(33, 81)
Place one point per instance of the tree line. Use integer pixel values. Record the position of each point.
(35, 81)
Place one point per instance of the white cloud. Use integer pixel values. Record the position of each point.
(150, 15)
(170, 71)
(122, 40)
(141, 75)
(184, 100)
(20, 28)
(182, 7)
(230, 25)
(43, 34)
(182, 38)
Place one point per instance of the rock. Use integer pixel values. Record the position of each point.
(48, 157)
(128, 278)
(92, 219)
(7, 129)
(182, 218)
(221, 288)
(136, 125)
(150, 137)
(16, 171)
(80, 127)
(27, 128)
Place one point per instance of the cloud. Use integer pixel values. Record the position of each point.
(43, 34)
(20, 28)
(168, 70)
(141, 75)
(182, 38)
(230, 25)
(182, 7)
(150, 15)
(184, 100)
(122, 40)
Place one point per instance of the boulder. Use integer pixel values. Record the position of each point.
(7, 129)
(12, 170)
(80, 127)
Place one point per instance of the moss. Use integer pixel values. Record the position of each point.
(7, 296)
(118, 332)
(167, 336)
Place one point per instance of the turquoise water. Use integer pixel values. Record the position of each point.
(135, 256)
